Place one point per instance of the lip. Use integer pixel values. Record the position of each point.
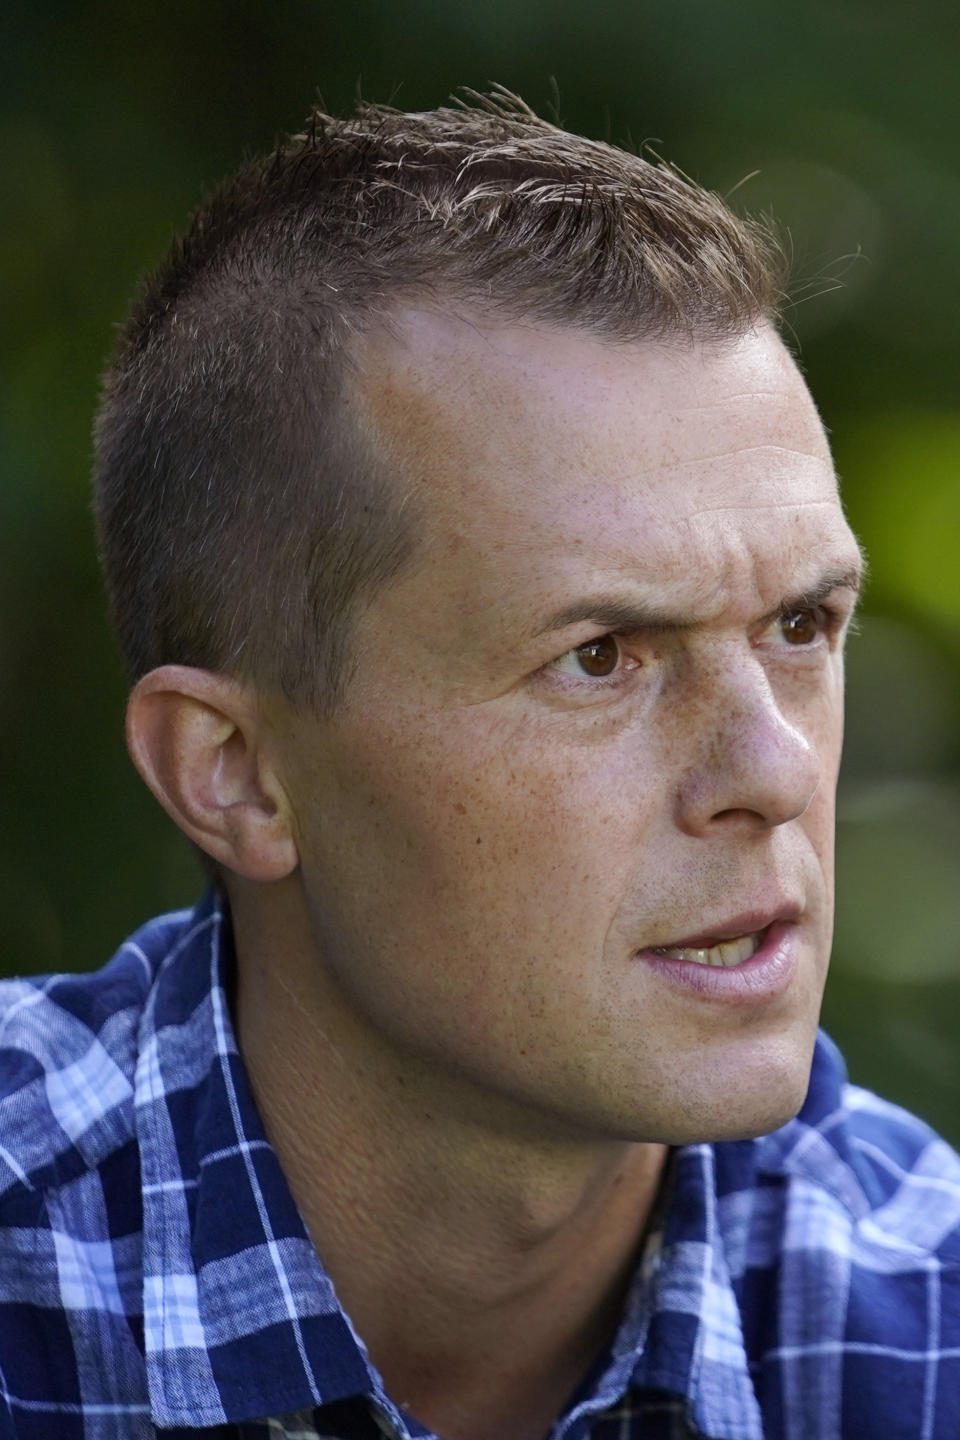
(750, 922)
(759, 980)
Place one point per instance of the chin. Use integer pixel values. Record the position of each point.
(742, 1122)
(760, 1098)
(763, 1121)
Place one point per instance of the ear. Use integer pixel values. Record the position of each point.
(196, 740)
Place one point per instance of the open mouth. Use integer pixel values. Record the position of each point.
(725, 953)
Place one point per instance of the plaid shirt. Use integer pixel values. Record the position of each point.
(156, 1274)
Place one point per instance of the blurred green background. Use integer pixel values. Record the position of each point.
(115, 117)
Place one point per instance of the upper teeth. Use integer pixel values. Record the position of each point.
(728, 952)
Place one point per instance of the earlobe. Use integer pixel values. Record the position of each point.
(194, 737)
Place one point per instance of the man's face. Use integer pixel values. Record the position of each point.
(594, 729)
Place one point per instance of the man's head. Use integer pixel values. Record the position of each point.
(242, 517)
(596, 584)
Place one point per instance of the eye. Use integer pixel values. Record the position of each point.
(596, 658)
(803, 627)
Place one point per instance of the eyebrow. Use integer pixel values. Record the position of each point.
(615, 613)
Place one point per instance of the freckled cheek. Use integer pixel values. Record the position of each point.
(456, 809)
(520, 827)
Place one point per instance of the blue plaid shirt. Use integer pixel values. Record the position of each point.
(155, 1273)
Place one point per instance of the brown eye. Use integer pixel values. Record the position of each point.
(598, 657)
(801, 627)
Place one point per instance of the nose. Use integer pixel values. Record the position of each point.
(751, 762)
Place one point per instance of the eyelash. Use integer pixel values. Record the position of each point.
(828, 623)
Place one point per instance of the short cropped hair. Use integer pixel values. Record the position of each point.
(241, 518)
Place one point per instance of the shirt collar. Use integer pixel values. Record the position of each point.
(240, 1319)
(695, 1346)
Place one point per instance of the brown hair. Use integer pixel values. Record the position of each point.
(240, 520)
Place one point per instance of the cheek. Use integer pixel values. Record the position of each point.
(462, 883)
(472, 831)
(827, 732)
(819, 824)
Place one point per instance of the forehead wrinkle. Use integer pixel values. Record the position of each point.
(772, 505)
(738, 452)
(734, 398)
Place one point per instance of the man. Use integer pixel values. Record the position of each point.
(476, 551)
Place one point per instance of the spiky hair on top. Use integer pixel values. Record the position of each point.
(240, 520)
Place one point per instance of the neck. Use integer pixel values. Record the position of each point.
(481, 1252)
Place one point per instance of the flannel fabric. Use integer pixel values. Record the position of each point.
(155, 1273)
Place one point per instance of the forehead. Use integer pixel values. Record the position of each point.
(547, 461)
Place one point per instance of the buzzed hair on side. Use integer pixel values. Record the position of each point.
(241, 517)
